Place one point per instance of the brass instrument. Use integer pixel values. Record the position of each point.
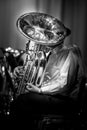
(42, 31)
(33, 70)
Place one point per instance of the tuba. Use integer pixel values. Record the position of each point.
(43, 31)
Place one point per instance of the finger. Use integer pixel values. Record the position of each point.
(28, 87)
(33, 86)
(29, 84)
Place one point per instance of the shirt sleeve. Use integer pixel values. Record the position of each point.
(59, 78)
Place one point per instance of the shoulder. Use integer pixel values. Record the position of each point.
(74, 49)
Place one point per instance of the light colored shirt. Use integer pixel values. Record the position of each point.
(64, 72)
(56, 74)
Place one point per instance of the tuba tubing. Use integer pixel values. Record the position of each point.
(34, 72)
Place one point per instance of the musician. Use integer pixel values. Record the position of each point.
(55, 87)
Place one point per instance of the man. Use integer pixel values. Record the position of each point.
(52, 71)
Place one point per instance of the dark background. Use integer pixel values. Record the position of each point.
(73, 13)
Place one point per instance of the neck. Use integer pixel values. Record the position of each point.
(57, 47)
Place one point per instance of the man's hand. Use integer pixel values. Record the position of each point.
(33, 88)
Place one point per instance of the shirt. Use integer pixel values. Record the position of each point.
(61, 71)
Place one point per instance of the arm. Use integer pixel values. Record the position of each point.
(58, 79)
